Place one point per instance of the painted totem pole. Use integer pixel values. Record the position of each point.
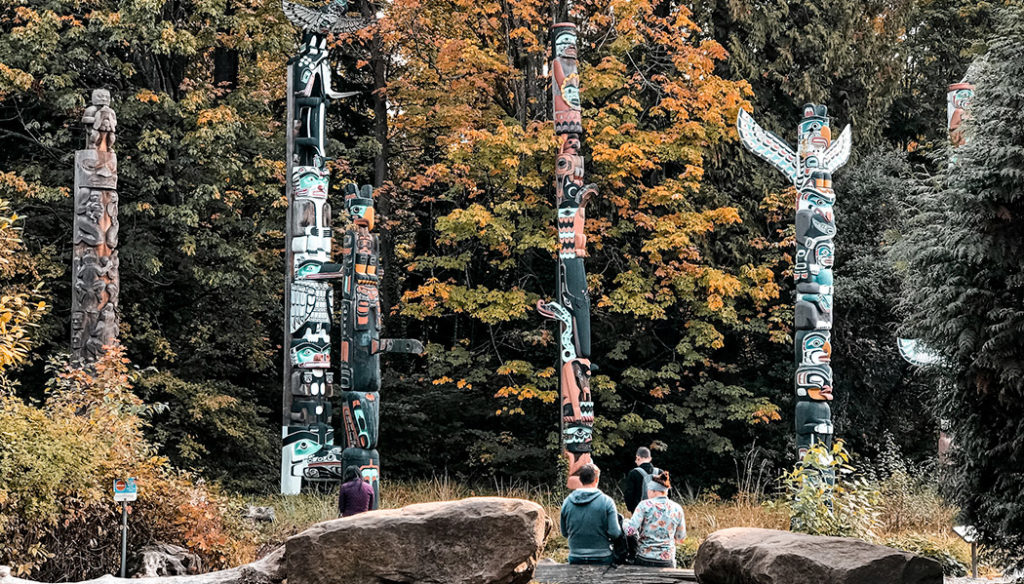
(913, 351)
(958, 97)
(94, 267)
(308, 437)
(308, 450)
(572, 306)
(810, 170)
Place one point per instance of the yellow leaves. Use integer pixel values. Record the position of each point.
(435, 298)
(11, 78)
(765, 414)
(219, 115)
(19, 311)
(147, 96)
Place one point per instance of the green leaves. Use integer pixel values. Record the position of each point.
(962, 292)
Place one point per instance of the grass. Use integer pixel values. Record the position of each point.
(912, 519)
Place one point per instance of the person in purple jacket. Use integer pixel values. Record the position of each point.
(355, 495)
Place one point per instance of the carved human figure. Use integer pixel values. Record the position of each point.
(100, 122)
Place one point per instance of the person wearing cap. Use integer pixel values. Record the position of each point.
(589, 520)
(658, 524)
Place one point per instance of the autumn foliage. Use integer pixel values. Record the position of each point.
(58, 460)
(479, 151)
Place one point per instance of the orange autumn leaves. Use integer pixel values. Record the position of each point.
(470, 104)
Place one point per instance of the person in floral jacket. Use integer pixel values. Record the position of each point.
(658, 523)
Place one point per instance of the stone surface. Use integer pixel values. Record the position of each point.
(267, 570)
(164, 559)
(765, 556)
(484, 540)
(258, 514)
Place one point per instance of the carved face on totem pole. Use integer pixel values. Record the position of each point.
(310, 325)
(301, 444)
(96, 169)
(360, 413)
(311, 220)
(565, 84)
(958, 98)
(565, 42)
(815, 137)
(359, 204)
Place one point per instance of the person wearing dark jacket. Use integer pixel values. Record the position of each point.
(638, 479)
(589, 520)
(355, 495)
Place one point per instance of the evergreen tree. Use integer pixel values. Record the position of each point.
(964, 292)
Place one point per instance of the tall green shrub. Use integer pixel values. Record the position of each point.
(964, 293)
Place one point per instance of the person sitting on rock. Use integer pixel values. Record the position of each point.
(355, 495)
(589, 520)
(658, 523)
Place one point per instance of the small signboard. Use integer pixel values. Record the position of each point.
(125, 490)
(966, 533)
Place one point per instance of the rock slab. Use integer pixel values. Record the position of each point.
(766, 556)
(481, 540)
(164, 559)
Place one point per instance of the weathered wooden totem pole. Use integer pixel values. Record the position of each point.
(572, 306)
(810, 170)
(308, 450)
(94, 268)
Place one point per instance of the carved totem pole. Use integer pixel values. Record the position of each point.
(572, 306)
(810, 170)
(308, 450)
(913, 351)
(958, 97)
(94, 268)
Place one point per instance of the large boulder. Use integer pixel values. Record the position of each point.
(766, 556)
(483, 540)
(164, 559)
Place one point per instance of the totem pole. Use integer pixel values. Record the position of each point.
(572, 306)
(913, 351)
(958, 97)
(810, 170)
(308, 449)
(94, 268)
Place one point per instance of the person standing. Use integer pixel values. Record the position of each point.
(355, 495)
(658, 523)
(638, 480)
(589, 520)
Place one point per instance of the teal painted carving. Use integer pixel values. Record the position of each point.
(810, 169)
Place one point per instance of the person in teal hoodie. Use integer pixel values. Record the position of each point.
(589, 520)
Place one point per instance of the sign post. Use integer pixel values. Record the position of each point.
(125, 490)
(970, 535)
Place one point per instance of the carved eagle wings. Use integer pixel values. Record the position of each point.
(839, 152)
(777, 152)
(330, 18)
(767, 145)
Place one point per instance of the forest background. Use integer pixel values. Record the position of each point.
(690, 239)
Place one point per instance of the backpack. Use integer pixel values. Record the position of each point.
(648, 477)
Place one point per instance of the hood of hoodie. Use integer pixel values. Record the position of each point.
(584, 496)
